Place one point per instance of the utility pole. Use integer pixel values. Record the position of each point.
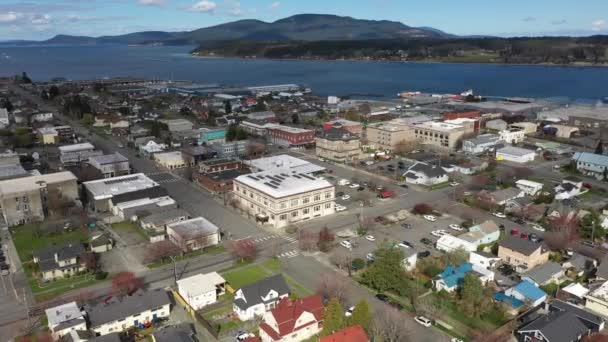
(174, 268)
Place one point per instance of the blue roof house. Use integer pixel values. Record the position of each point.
(453, 277)
(523, 293)
(591, 164)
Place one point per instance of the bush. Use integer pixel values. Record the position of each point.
(358, 264)
(431, 270)
(101, 275)
(422, 209)
(291, 230)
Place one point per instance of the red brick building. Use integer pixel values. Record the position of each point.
(290, 136)
(474, 114)
(216, 175)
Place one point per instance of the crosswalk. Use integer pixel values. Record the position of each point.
(288, 255)
(166, 181)
(264, 238)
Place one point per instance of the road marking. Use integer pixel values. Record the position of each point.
(288, 255)
(290, 239)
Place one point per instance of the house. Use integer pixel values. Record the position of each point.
(176, 333)
(348, 334)
(77, 153)
(580, 264)
(526, 208)
(256, 299)
(293, 320)
(591, 164)
(193, 234)
(47, 135)
(151, 147)
(452, 277)
(425, 174)
(483, 259)
(481, 234)
(61, 260)
(170, 160)
(541, 275)
(64, 318)
(527, 127)
(157, 221)
(512, 135)
(114, 315)
(570, 187)
(193, 155)
(515, 154)
(524, 293)
(500, 197)
(559, 322)
(101, 243)
(4, 120)
(529, 188)
(574, 292)
(178, 125)
(481, 144)
(522, 253)
(465, 167)
(202, 289)
(41, 117)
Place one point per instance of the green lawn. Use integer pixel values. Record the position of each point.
(129, 227)
(207, 251)
(245, 276)
(28, 238)
(273, 265)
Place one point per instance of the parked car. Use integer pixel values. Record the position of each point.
(395, 305)
(406, 225)
(514, 232)
(587, 185)
(340, 208)
(343, 182)
(370, 257)
(519, 220)
(382, 297)
(454, 184)
(349, 311)
(405, 244)
(424, 254)
(524, 235)
(538, 227)
(533, 237)
(360, 188)
(346, 244)
(4, 266)
(430, 218)
(456, 227)
(423, 321)
(370, 238)
(426, 241)
(353, 186)
(499, 215)
(587, 243)
(243, 336)
(345, 197)
(339, 193)
(404, 186)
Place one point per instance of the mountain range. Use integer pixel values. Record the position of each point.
(302, 27)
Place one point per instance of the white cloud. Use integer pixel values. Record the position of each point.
(236, 10)
(203, 6)
(275, 5)
(41, 19)
(10, 17)
(152, 2)
(599, 25)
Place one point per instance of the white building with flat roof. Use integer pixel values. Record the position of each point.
(77, 153)
(529, 187)
(202, 289)
(515, 154)
(193, 234)
(284, 196)
(100, 192)
(282, 161)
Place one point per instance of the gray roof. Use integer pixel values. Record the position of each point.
(484, 139)
(161, 218)
(563, 323)
(109, 158)
(602, 269)
(12, 171)
(194, 228)
(178, 333)
(335, 133)
(580, 262)
(429, 170)
(522, 246)
(253, 293)
(504, 194)
(542, 274)
(140, 301)
(515, 151)
(65, 251)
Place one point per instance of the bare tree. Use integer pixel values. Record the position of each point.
(161, 250)
(389, 326)
(334, 286)
(245, 249)
(307, 241)
(343, 259)
(431, 308)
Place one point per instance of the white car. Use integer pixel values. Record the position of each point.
(454, 184)
(353, 186)
(423, 321)
(370, 238)
(430, 218)
(499, 215)
(340, 208)
(456, 227)
(242, 336)
(454, 339)
(537, 227)
(346, 244)
(349, 312)
(436, 233)
(345, 197)
(370, 257)
(343, 182)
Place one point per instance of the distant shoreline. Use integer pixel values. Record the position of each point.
(574, 65)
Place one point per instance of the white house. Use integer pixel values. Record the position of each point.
(42, 117)
(202, 289)
(4, 120)
(293, 320)
(483, 259)
(570, 187)
(258, 298)
(450, 243)
(425, 174)
(152, 147)
(452, 277)
(527, 292)
(64, 318)
(115, 315)
(481, 234)
(515, 154)
(529, 187)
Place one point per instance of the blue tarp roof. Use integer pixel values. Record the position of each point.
(529, 290)
(452, 276)
(514, 302)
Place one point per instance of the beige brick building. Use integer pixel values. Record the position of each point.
(338, 144)
(440, 136)
(387, 135)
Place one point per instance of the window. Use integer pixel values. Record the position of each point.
(283, 205)
(317, 197)
(306, 200)
(294, 213)
(283, 217)
(317, 207)
(294, 203)
(327, 195)
(305, 211)
(327, 205)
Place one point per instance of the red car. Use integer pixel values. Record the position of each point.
(587, 185)
(514, 232)
(524, 236)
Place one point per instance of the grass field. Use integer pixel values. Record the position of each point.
(207, 251)
(245, 276)
(29, 238)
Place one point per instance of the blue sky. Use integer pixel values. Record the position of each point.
(41, 19)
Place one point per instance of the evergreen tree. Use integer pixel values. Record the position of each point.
(228, 107)
(334, 318)
(361, 316)
(600, 148)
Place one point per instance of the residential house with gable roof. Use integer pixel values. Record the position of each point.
(293, 320)
(349, 334)
(256, 299)
(64, 318)
(425, 174)
(591, 164)
(452, 277)
(60, 260)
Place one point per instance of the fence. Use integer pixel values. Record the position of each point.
(198, 317)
